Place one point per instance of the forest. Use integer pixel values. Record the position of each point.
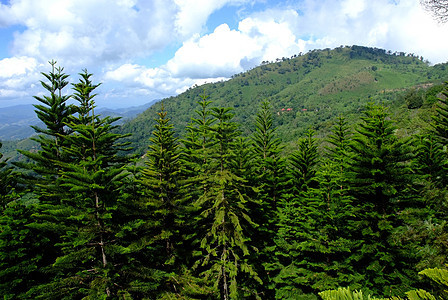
(211, 211)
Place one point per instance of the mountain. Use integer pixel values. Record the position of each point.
(15, 120)
(311, 90)
(306, 91)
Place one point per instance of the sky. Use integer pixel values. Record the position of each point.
(142, 50)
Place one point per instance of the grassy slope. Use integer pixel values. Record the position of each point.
(326, 83)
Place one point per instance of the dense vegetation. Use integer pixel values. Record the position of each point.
(317, 87)
(215, 210)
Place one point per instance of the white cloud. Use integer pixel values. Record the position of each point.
(126, 72)
(85, 31)
(353, 8)
(214, 55)
(225, 52)
(193, 14)
(17, 66)
(18, 76)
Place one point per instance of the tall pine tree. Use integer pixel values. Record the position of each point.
(379, 178)
(91, 178)
(269, 179)
(224, 216)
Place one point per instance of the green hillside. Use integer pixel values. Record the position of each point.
(315, 87)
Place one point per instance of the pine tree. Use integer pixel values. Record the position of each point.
(339, 150)
(164, 197)
(379, 177)
(425, 229)
(92, 177)
(269, 179)
(21, 249)
(224, 216)
(54, 112)
(41, 174)
(430, 161)
(18, 243)
(310, 244)
(303, 164)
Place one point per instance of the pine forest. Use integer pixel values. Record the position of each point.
(272, 196)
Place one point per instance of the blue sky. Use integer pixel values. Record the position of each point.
(151, 49)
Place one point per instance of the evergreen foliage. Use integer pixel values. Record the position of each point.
(215, 215)
(7, 181)
(441, 118)
(303, 164)
(379, 174)
(223, 207)
(165, 204)
(269, 178)
(54, 112)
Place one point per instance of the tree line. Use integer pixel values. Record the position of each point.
(214, 214)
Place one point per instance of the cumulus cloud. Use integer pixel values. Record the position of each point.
(18, 75)
(85, 31)
(225, 52)
(153, 83)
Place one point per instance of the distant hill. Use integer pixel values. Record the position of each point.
(311, 90)
(15, 121)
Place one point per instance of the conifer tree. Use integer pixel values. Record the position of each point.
(430, 160)
(303, 164)
(41, 174)
(269, 179)
(440, 124)
(379, 174)
(92, 178)
(425, 229)
(164, 197)
(269, 166)
(198, 143)
(338, 151)
(308, 247)
(196, 159)
(224, 213)
(54, 112)
(18, 243)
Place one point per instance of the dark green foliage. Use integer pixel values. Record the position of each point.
(303, 164)
(164, 200)
(54, 112)
(20, 250)
(313, 240)
(430, 160)
(7, 182)
(379, 175)
(413, 98)
(222, 215)
(41, 175)
(269, 177)
(224, 219)
(440, 124)
(91, 179)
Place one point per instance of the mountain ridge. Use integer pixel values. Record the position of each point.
(316, 87)
(15, 121)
